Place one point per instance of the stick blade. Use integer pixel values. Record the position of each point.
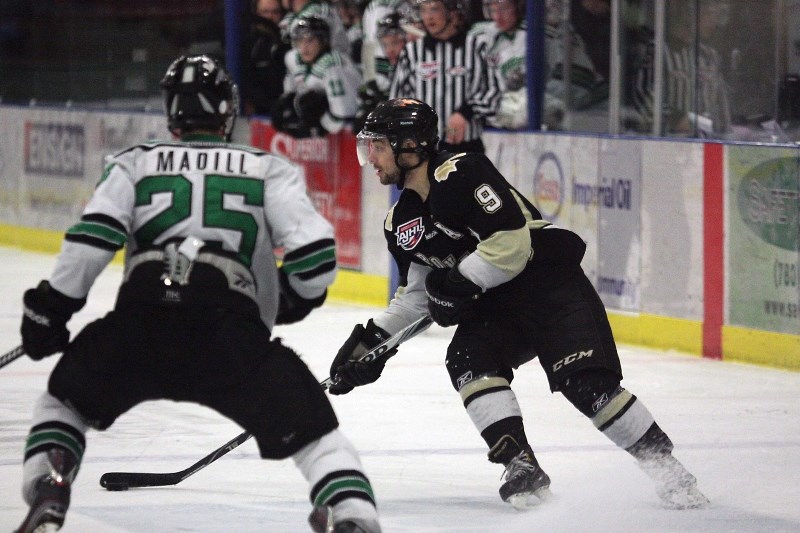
(119, 481)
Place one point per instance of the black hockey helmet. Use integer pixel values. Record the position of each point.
(399, 120)
(390, 25)
(311, 26)
(199, 94)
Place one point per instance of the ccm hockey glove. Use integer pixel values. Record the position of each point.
(44, 320)
(450, 295)
(293, 307)
(347, 372)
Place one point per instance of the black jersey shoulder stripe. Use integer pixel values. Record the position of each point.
(308, 249)
(104, 219)
(318, 256)
(92, 241)
(100, 231)
(320, 269)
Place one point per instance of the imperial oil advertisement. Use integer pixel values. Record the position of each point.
(592, 187)
(763, 244)
(618, 193)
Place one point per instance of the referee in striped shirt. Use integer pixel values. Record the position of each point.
(446, 70)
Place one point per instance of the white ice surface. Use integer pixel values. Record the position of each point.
(736, 427)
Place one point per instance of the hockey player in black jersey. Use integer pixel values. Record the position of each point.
(199, 218)
(475, 253)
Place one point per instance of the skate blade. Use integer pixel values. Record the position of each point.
(49, 527)
(321, 520)
(691, 500)
(529, 500)
(48, 520)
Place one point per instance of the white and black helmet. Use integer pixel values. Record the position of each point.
(199, 94)
(519, 6)
(312, 26)
(390, 25)
(450, 5)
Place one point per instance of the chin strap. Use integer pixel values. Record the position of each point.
(423, 156)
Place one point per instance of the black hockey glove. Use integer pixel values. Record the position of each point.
(347, 372)
(310, 106)
(370, 95)
(293, 307)
(44, 320)
(450, 295)
(285, 119)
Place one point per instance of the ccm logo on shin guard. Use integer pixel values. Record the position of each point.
(571, 359)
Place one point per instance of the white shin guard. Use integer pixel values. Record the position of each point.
(624, 419)
(489, 399)
(334, 472)
(48, 409)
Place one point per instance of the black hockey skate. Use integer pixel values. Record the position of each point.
(675, 485)
(527, 485)
(52, 492)
(321, 521)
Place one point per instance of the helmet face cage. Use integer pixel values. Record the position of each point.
(311, 26)
(400, 120)
(199, 94)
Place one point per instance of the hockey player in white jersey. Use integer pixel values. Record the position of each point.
(504, 40)
(321, 84)
(199, 219)
(392, 38)
(297, 9)
(380, 69)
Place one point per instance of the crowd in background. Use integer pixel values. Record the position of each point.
(338, 60)
(468, 61)
(714, 81)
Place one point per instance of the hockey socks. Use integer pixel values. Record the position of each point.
(627, 422)
(333, 470)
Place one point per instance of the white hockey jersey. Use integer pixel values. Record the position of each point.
(376, 11)
(505, 61)
(332, 73)
(245, 201)
(326, 11)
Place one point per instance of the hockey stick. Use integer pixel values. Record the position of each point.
(13, 355)
(124, 480)
(116, 481)
(412, 330)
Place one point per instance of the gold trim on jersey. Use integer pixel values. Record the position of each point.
(508, 250)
